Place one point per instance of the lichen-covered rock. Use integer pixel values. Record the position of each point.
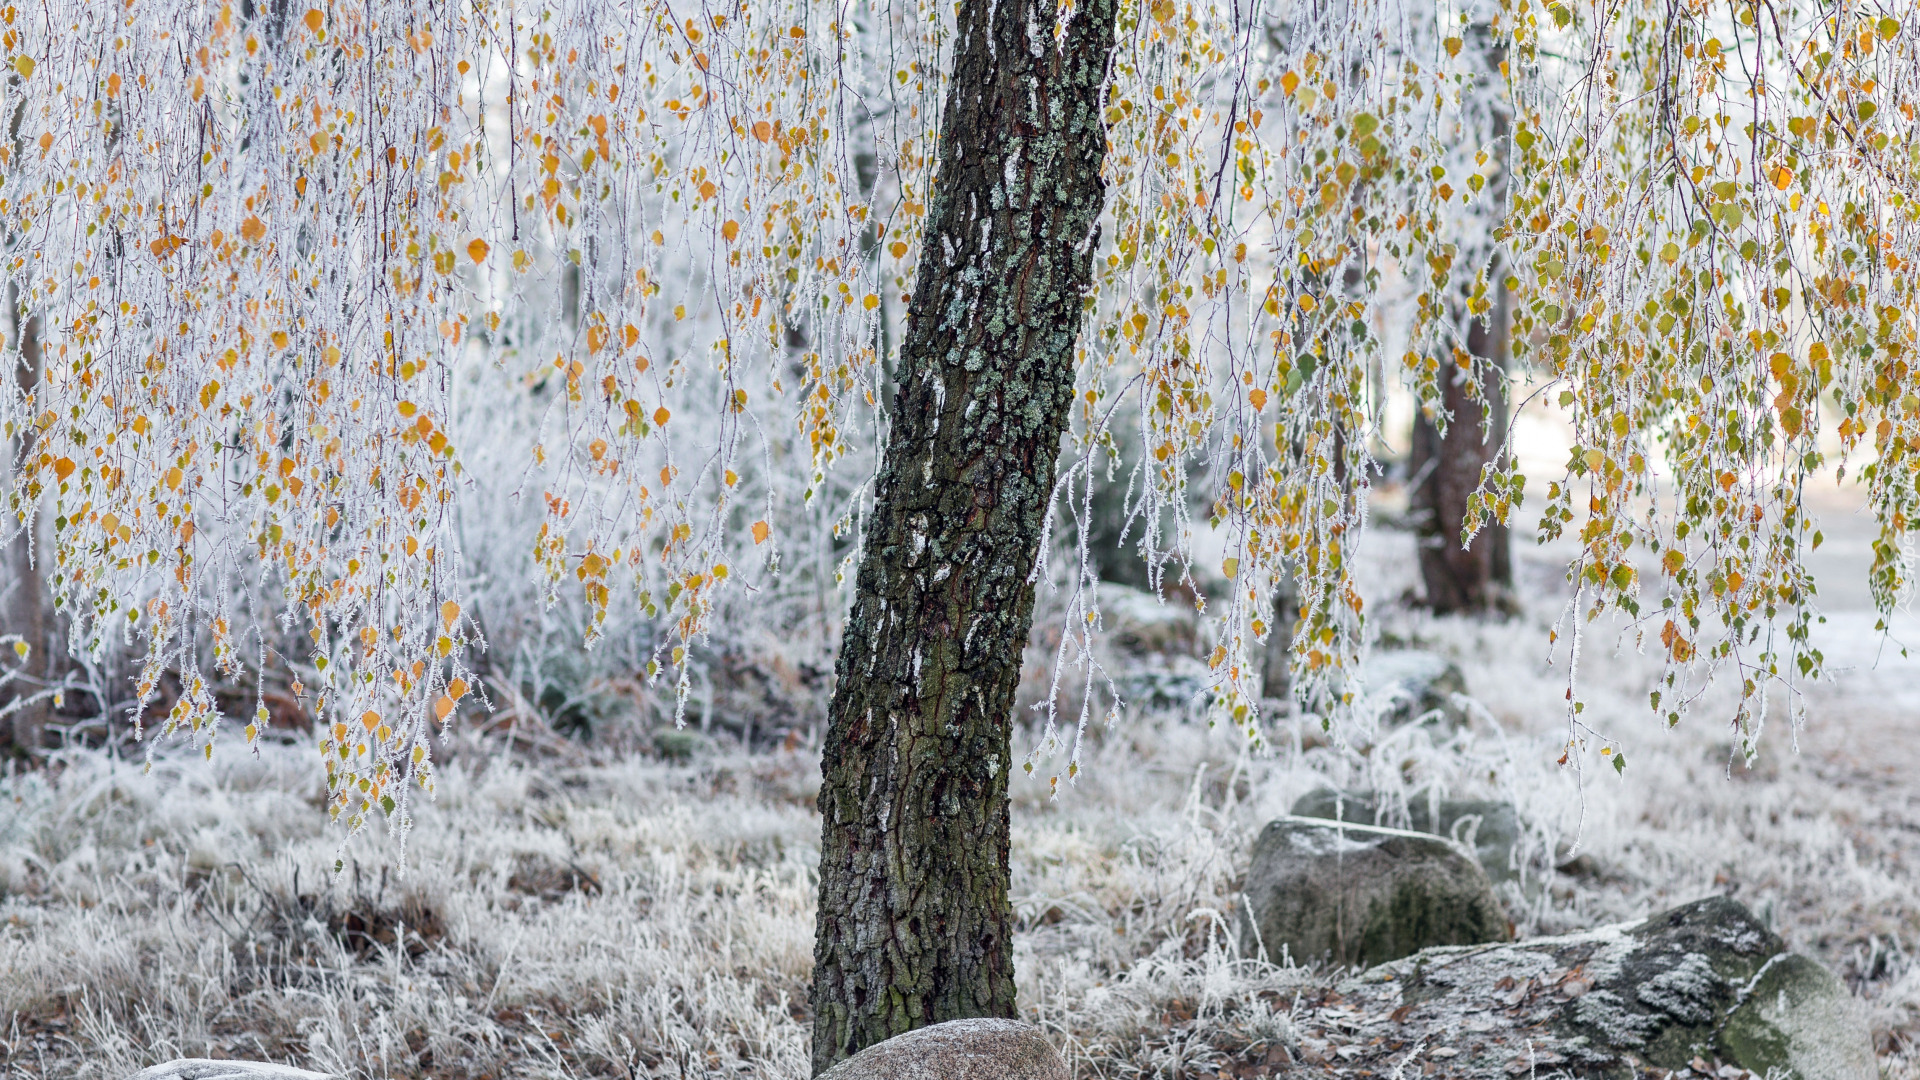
(215, 1069)
(1495, 826)
(1413, 684)
(1328, 891)
(980, 1049)
(1797, 1018)
(1705, 980)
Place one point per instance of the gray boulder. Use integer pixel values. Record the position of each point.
(1797, 1017)
(1705, 980)
(1359, 895)
(1416, 684)
(216, 1069)
(1495, 826)
(980, 1049)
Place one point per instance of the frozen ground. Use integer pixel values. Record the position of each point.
(632, 918)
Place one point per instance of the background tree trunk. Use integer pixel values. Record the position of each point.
(914, 919)
(23, 600)
(1445, 471)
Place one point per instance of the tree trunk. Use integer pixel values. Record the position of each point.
(1446, 470)
(914, 919)
(25, 611)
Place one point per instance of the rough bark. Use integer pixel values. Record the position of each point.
(1446, 471)
(25, 610)
(914, 919)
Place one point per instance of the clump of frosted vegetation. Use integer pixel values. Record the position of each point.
(615, 914)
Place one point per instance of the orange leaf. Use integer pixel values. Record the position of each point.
(762, 130)
(253, 229)
(313, 19)
(477, 251)
(63, 468)
(760, 532)
(730, 230)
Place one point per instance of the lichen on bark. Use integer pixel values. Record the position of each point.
(914, 920)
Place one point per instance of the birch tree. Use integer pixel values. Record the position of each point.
(296, 267)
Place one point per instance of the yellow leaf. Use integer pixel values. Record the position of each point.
(370, 720)
(872, 301)
(24, 65)
(760, 532)
(1258, 397)
(21, 648)
(1452, 45)
(660, 416)
(730, 230)
(477, 251)
(899, 249)
(174, 476)
(457, 689)
(449, 611)
(1231, 568)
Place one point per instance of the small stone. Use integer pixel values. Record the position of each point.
(1361, 895)
(979, 1049)
(1493, 825)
